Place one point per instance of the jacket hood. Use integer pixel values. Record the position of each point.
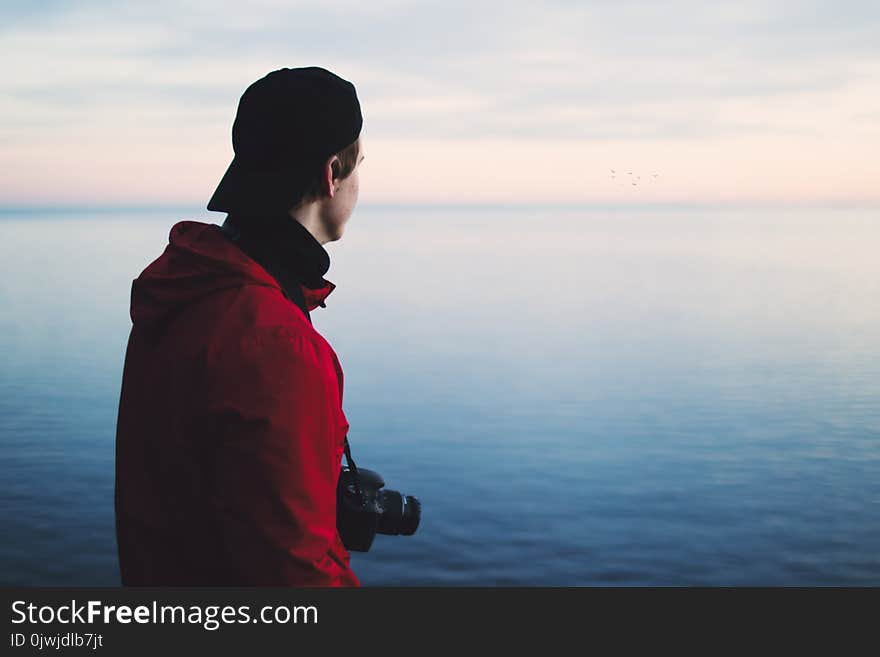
(198, 261)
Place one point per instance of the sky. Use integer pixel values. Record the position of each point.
(463, 101)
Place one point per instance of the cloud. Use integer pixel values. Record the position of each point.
(582, 72)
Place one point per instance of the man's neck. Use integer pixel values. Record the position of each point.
(309, 216)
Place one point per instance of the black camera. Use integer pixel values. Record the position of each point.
(364, 509)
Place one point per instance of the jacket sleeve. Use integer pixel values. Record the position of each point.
(276, 462)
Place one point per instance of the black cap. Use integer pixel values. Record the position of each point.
(287, 125)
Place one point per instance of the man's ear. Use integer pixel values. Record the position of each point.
(329, 174)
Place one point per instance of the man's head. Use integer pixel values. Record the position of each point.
(297, 146)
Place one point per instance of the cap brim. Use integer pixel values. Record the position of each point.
(246, 190)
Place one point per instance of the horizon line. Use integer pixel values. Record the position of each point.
(24, 208)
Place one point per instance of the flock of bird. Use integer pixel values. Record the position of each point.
(634, 180)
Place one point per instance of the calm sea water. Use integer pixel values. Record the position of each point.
(578, 397)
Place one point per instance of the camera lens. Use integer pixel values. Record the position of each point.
(401, 513)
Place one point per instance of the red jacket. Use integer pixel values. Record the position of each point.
(230, 431)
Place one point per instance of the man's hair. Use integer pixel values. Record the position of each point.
(348, 158)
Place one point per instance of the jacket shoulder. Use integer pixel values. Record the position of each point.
(261, 308)
(261, 317)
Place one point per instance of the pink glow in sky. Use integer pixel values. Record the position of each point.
(133, 102)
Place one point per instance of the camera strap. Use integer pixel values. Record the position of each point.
(353, 468)
(348, 458)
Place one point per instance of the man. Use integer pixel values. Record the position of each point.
(231, 429)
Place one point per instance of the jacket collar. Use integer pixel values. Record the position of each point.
(288, 251)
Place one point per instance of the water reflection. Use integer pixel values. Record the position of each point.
(578, 397)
